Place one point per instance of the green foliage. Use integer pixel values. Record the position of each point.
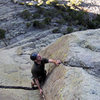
(47, 20)
(60, 7)
(93, 24)
(61, 14)
(77, 15)
(49, 13)
(67, 18)
(45, 12)
(61, 21)
(38, 24)
(26, 14)
(36, 15)
(28, 24)
(69, 29)
(81, 28)
(97, 18)
(40, 10)
(54, 3)
(56, 30)
(2, 33)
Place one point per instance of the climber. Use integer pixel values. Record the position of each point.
(38, 69)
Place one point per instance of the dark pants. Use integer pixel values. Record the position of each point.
(41, 78)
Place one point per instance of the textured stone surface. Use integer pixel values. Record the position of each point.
(12, 75)
(78, 49)
(15, 67)
(15, 26)
(92, 6)
(71, 81)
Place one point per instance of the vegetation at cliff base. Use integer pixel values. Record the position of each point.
(38, 24)
(26, 14)
(2, 33)
(55, 13)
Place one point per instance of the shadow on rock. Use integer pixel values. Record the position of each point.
(17, 87)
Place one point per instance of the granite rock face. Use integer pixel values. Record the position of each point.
(15, 67)
(92, 6)
(16, 27)
(78, 78)
(15, 78)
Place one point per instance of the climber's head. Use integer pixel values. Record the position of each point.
(35, 56)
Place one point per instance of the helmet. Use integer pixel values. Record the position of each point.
(33, 56)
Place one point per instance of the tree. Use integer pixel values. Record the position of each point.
(2, 35)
